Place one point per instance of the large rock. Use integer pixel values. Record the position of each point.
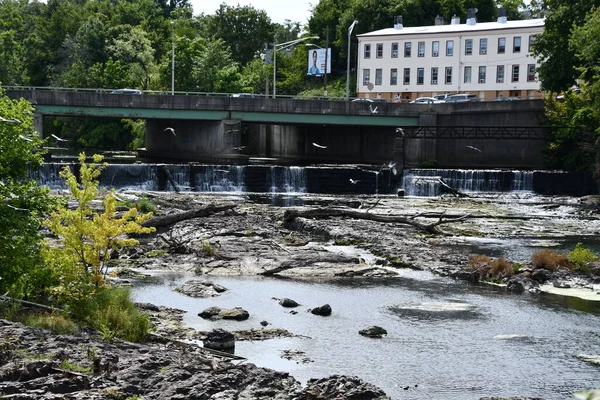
(220, 339)
(200, 289)
(289, 303)
(324, 310)
(373, 332)
(341, 386)
(237, 313)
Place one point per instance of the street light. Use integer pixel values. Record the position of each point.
(173, 59)
(282, 46)
(348, 67)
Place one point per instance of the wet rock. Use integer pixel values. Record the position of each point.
(373, 332)
(518, 284)
(511, 398)
(346, 387)
(324, 310)
(288, 303)
(295, 355)
(200, 289)
(515, 286)
(237, 313)
(541, 275)
(219, 339)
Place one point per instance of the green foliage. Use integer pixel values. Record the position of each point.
(581, 256)
(23, 203)
(55, 322)
(593, 394)
(69, 366)
(88, 236)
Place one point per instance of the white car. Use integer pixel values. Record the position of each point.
(426, 100)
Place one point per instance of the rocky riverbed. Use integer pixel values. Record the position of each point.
(249, 237)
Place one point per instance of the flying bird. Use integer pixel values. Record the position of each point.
(354, 182)
(12, 120)
(240, 148)
(392, 167)
(170, 130)
(319, 146)
(474, 148)
(59, 139)
(400, 130)
(25, 138)
(372, 110)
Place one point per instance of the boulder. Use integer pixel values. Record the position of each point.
(219, 339)
(210, 313)
(373, 332)
(200, 289)
(541, 275)
(288, 303)
(341, 386)
(237, 313)
(324, 310)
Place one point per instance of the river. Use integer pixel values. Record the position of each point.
(446, 339)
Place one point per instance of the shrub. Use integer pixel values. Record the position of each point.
(501, 268)
(54, 322)
(488, 268)
(548, 259)
(580, 257)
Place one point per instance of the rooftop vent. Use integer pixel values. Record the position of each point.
(471, 19)
(398, 22)
(502, 15)
(439, 20)
(455, 20)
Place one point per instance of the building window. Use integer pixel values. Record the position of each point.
(500, 74)
(366, 76)
(434, 76)
(448, 75)
(467, 74)
(435, 49)
(483, 46)
(421, 49)
(378, 76)
(367, 51)
(501, 45)
(532, 39)
(379, 53)
(394, 50)
(407, 76)
(515, 73)
(482, 74)
(531, 73)
(407, 48)
(449, 47)
(517, 44)
(420, 76)
(468, 47)
(394, 76)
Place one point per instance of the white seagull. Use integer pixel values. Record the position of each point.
(474, 148)
(319, 146)
(400, 130)
(372, 110)
(170, 130)
(58, 138)
(25, 138)
(354, 182)
(12, 120)
(240, 148)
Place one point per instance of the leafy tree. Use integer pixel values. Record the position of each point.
(23, 204)
(88, 236)
(244, 30)
(133, 48)
(557, 69)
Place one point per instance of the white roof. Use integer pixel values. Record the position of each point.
(450, 28)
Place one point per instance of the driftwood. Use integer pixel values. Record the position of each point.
(456, 192)
(290, 215)
(30, 304)
(204, 211)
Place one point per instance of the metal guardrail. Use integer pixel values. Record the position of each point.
(478, 132)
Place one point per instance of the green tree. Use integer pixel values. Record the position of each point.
(244, 30)
(23, 204)
(132, 47)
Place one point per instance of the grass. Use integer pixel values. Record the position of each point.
(54, 322)
(580, 257)
(488, 268)
(547, 259)
(69, 366)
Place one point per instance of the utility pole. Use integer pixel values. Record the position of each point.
(348, 56)
(326, 56)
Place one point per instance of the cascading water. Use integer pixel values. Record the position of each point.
(129, 176)
(430, 182)
(220, 178)
(288, 180)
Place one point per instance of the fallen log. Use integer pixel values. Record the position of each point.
(204, 211)
(29, 304)
(321, 213)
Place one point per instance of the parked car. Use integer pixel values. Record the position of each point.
(246, 95)
(462, 98)
(441, 97)
(507, 99)
(126, 91)
(426, 100)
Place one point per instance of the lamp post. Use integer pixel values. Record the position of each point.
(282, 46)
(173, 58)
(348, 66)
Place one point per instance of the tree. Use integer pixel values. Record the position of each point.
(558, 63)
(244, 30)
(23, 204)
(88, 236)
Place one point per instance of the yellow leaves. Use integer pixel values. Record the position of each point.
(89, 236)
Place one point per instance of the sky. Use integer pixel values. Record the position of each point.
(277, 10)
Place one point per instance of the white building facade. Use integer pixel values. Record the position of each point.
(490, 60)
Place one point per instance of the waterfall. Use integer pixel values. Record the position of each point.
(288, 180)
(219, 178)
(129, 177)
(426, 182)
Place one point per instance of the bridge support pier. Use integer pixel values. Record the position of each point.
(38, 124)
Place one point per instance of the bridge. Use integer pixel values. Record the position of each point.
(217, 128)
